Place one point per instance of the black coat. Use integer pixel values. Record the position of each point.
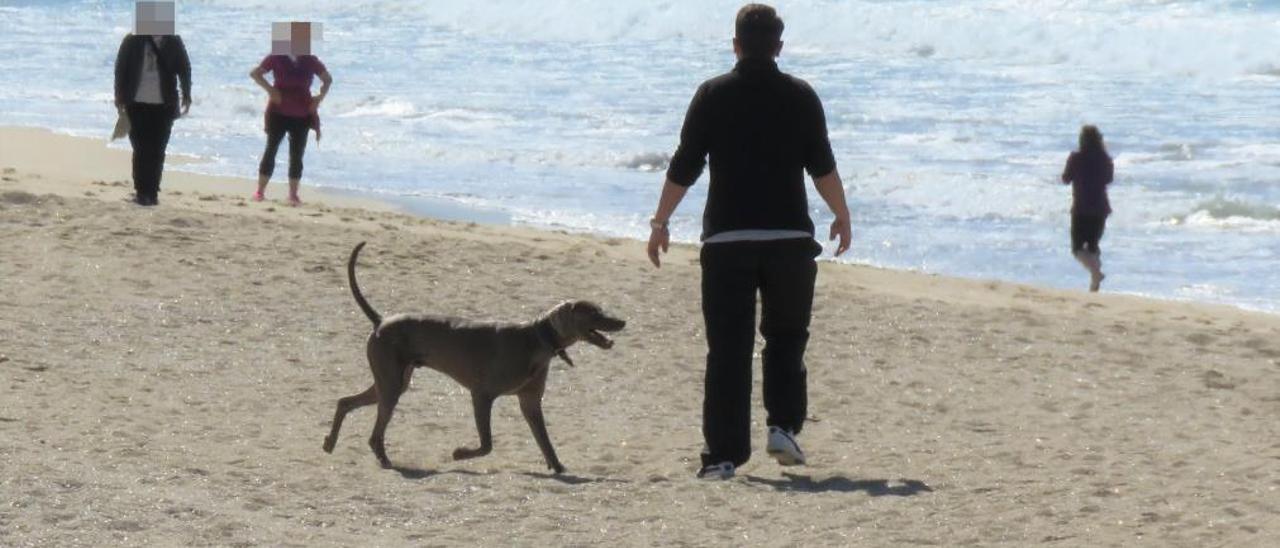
(173, 63)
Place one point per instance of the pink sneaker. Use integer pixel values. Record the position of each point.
(258, 197)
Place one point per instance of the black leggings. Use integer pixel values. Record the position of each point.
(1086, 232)
(277, 126)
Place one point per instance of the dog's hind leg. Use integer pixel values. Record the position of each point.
(346, 405)
(390, 379)
(483, 405)
(531, 406)
(386, 406)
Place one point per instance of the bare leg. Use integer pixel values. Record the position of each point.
(1091, 262)
(483, 405)
(1082, 257)
(345, 405)
(1096, 275)
(293, 192)
(262, 187)
(531, 407)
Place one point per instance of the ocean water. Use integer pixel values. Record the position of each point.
(950, 120)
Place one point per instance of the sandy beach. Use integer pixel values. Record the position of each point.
(167, 376)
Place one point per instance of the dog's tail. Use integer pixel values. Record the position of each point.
(355, 288)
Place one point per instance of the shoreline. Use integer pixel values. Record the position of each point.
(26, 142)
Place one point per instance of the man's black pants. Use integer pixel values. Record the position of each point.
(149, 127)
(783, 272)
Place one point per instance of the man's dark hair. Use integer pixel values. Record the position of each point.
(759, 30)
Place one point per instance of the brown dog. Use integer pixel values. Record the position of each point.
(489, 359)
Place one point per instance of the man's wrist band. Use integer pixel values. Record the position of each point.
(657, 225)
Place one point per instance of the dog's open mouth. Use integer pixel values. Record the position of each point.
(594, 336)
(597, 338)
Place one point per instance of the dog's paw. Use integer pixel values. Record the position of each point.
(464, 453)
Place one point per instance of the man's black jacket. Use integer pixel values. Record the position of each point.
(762, 129)
(172, 61)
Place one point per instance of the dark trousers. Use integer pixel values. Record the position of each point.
(1086, 232)
(783, 273)
(277, 126)
(149, 127)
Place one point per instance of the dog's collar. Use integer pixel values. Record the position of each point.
(547, 335)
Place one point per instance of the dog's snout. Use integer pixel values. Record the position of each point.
(612, 324)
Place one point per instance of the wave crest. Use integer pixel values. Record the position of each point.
(1222, 212)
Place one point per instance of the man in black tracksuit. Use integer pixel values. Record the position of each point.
(762, 130)
(149, 67)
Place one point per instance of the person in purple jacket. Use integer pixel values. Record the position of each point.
(1089, 171)
(291, 108)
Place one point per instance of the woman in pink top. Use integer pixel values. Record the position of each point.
(291, 108)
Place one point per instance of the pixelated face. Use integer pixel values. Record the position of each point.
(294, 38)
(155, 18)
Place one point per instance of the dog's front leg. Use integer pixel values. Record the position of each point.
(483, 405)
(531, 407)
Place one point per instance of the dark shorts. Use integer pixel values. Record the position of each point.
(1086, 231)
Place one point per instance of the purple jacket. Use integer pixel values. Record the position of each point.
(1089, 175)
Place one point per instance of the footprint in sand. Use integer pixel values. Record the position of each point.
(18, 198)
(1218, 381)
(1260, 346)
(1201, 339)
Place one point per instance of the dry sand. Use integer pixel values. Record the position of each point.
(167, 376)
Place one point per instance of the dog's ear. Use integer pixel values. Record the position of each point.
(560, 317)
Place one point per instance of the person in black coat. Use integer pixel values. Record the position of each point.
(150, 66)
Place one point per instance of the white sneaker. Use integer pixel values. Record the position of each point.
(722, 471)
(783, 446)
